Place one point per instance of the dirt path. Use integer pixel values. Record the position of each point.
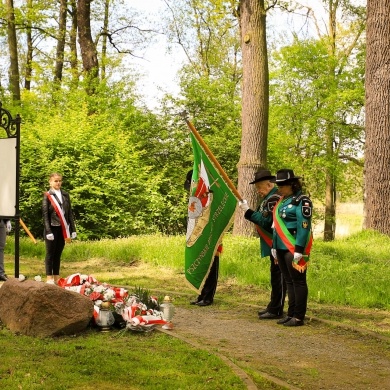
(315, 356)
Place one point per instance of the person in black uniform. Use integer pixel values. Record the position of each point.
(262, 218)
(206, 296)
(292, 239)
(59, 226)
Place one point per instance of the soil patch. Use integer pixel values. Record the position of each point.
(319, 355)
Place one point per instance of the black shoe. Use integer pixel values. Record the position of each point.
(262, 312)
(268, 316)
(194, 302)
(204, 303)
(3, 278)
(294, 322)
(283, 320)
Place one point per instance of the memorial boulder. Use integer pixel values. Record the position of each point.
(43, 310)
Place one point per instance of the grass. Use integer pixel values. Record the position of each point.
(105, 361)
(349, 275)
(351, 271)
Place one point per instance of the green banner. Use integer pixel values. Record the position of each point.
(211, 207)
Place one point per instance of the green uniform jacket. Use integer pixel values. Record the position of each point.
(296, 213)
(263, 217)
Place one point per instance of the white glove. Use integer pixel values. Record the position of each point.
(297, 257)
(8, 226)
(273, 253)
(243, 204)
(50, 237)
(74, 235)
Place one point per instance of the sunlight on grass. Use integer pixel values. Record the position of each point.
(108, 361)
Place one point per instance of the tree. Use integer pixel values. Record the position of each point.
(255, 102)
(377, 151)
(14, 76)
(304, 104)
(207, 32)
(59, 63)
(321, 91)
(87, 45)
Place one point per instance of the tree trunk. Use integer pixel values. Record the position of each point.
(255, 104)
(330, 185)
(104, 43)
(330, 206)
(73, 43)
(29, 53)
(60, 42)
(14, 76)
(87, 45)
(377, 151)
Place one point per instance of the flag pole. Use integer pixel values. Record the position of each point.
(27, 230)
(184, 115)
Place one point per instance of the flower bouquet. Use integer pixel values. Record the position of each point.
(138, 311)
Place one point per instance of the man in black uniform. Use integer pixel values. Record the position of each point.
(262, 218)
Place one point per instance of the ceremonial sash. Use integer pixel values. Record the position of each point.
(265, 235)
(61, 216)
(289, 240)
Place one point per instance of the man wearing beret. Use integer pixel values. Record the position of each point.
(262, 218)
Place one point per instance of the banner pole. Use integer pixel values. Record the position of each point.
(211, 156)
(26, 229)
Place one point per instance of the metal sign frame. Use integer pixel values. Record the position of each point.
(12, 129)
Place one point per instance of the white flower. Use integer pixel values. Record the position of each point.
(37, 278)
(109, 294)
(99, 288)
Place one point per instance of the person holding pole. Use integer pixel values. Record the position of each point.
(262, 218)
(59, 226)
(5, 227)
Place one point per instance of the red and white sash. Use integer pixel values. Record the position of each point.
(61, 216)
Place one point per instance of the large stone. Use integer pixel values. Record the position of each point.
(43, 310)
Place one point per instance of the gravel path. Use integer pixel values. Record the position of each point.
(316, 356)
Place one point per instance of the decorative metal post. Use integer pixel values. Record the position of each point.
(12, 149)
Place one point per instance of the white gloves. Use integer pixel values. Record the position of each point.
(74, 235)
(50, 237)
(297, 257)
(8, 226)
(273, 253)
(295, 263)
(243, 204)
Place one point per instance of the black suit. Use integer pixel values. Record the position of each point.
(52, 225)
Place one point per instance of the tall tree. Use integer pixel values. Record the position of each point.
(305, 104)
(87, 45)
(73, 42)
(255, 102)
(30, 49)
(14, 75)
(377, 151)
(59, 62)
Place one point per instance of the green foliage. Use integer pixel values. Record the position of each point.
(119, 171)
(316, 114)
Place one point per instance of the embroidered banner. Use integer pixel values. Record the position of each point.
(211, 208)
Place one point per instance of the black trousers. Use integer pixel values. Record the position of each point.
(278, 289)
(54, 251)
(297, 290)
(210, 286)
